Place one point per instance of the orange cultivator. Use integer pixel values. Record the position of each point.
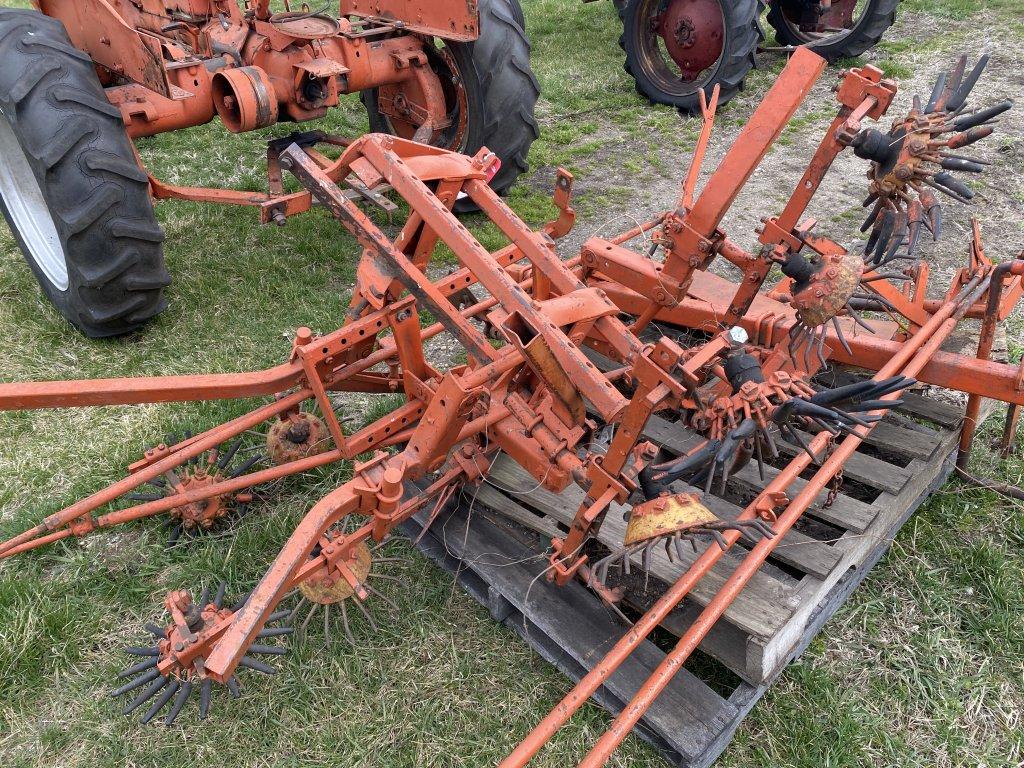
(534, 394)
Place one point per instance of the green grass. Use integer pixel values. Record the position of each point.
(923, 666)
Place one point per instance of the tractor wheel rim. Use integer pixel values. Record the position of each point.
(27, 207)
(681, 42)
(835, 23)
(454, 137)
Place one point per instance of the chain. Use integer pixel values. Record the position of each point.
(836, 483)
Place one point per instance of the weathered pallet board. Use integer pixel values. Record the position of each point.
(812, 572)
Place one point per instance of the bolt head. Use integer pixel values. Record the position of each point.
(737, 335)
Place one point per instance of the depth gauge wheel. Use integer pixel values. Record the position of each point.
(490, 90)
(846, 28)
(675, 48)
(70, 188)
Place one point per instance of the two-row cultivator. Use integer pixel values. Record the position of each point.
(528, 388)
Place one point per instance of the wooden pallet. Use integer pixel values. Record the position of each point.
(493, 542)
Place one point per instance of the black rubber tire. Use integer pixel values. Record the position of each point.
(875, 19)
(517, 13)
(76, 146)
(501, 92)
(736, 61)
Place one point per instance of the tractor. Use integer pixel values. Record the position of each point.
(81, 80)
(675, 48)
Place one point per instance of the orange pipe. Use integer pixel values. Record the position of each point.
(677, 591)
(673, 662)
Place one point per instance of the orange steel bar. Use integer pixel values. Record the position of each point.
(597, 676)
(674, 660)
(707, 111)
(945, 369)
(985, 340)
(757, 136)
(211, 439)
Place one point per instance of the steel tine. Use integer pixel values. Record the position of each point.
(179, 702)
(161, 700)
(218, 598)
(158, 632)
(958, 99)
(344, 624)
(145, 696)
(940, 85)
(229, 454)
(147, 651)
(366, 613)
(233, 687)
(240, 604)
(250, 663)
(205, 690)
(275, 650)
(136, 683)
(142, 666)
(841, 336)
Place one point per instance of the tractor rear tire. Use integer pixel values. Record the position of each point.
(872, 23)
(657, 83)
(501, 91)
(70, 188)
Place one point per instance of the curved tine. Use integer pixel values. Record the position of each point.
(149, 650)
(374, 591)
(175, 535)
(205, 691)
(344, 624)
(627, 565)
(145, 696)
(677, 542)
(155, 631)
(982, 116)
(268, 650)
(240, 604)
(820, 349)
(136, 683)
(309, 616)
(773, 449)
(860, 320)
(893, 229)
(792, 432)
(900, 233)
(179, 702)
(952, 83)
(161, 700)
(295, 611)
(275, 631)
(935, 220)
(233, 688)
(144, 496)
(668, 549)
(246, 465)
(218, 598)
(142, 666)
(645, 556)
(366, 613)
(873, 215)
(759, 451)
(278, 615)
(933, 100)
(250, 663)
(841, 336)
(845, 392)
(874, 405)
(229, 454)
(958, 99)
(204, 598)
(876, 232)
(719, 539)
(327, 624)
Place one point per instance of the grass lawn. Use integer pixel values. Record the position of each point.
(923, 666)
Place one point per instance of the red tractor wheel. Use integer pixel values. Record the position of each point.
(834, 30)
(674, 48)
